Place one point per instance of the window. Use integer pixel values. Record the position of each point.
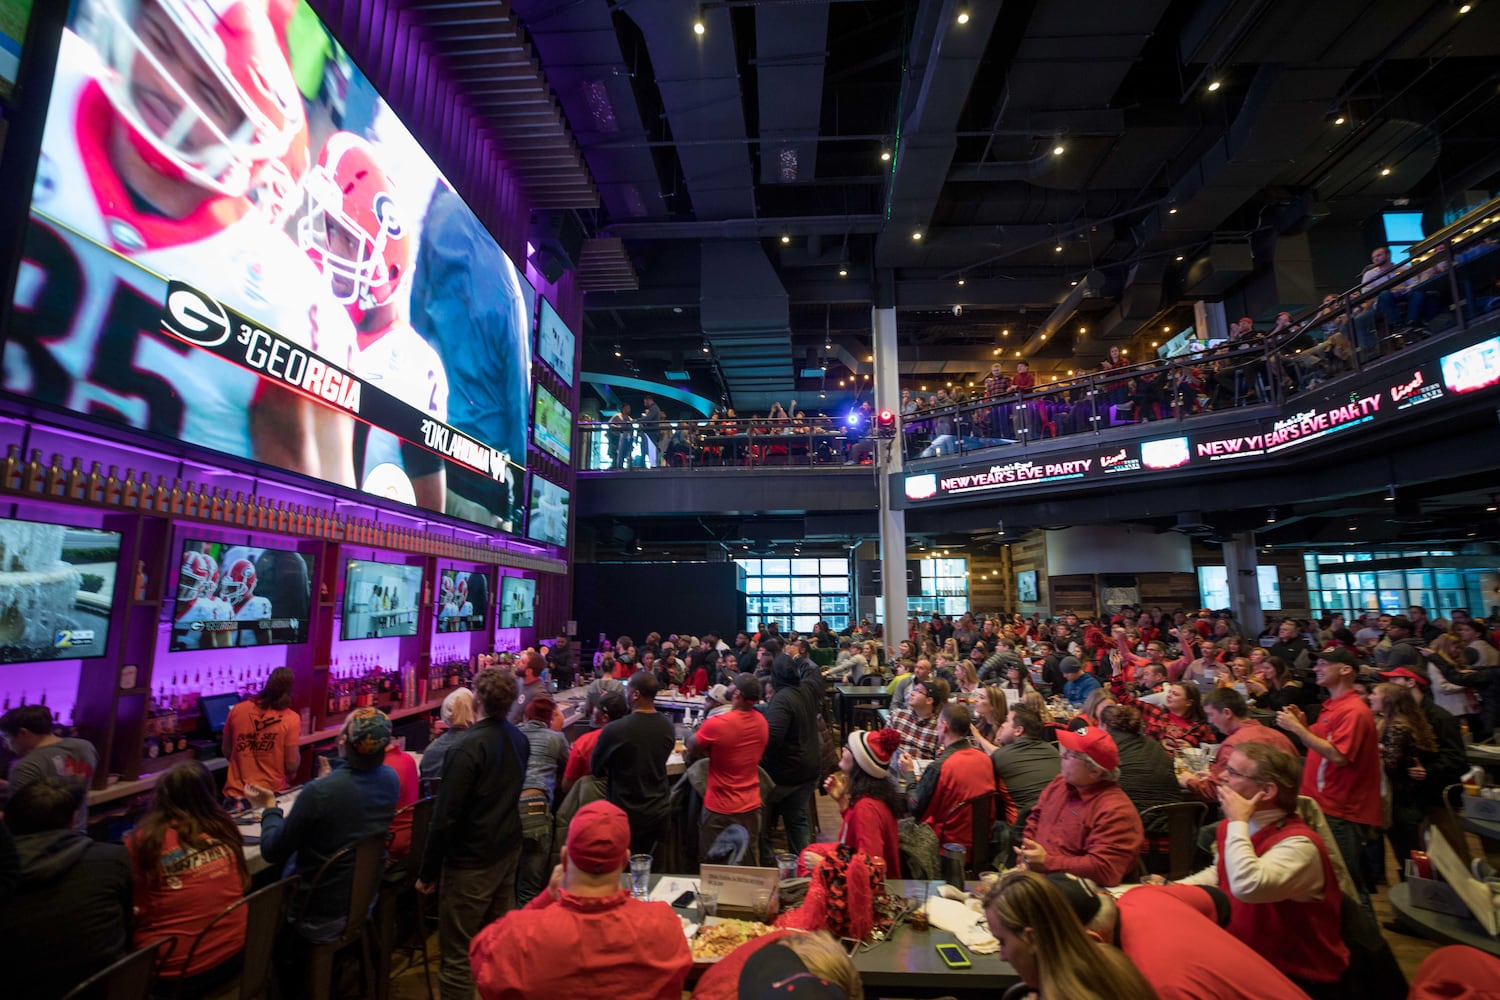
(1402, 229)
(796, 593)
(1440, 589)
(1213, 587)
(944, 588)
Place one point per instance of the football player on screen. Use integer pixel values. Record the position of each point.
(197, 601)
(355, 232)
(165, 116)
(238, 588)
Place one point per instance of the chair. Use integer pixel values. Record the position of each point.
(368, 857)
(400, 880)
(128, 979)
(263, 918)
(1183, 821)
(870, 709)
(982, 813)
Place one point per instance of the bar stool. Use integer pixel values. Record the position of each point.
(128, 979)
(263, 911)
(368, 857)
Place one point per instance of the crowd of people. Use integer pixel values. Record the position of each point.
(1322, 738)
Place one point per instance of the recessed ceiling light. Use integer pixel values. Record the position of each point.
(885, 156)
(1172, 210)
(961, 282)
(1166, 329)
(1059, 150)
(786, 239)
(677, 309)
(1153, 343)
(1179, 258)
(917, 235)
(1340, 120)
(705, 348)
(1083, 329)
(963, 17)
(1215, 85)
(1044, 336)
(698, 27)
(1057, 249)
(1018, 354)
(1005, 333)
(843, 272)
(1385, 171)
(1070, 371)
(1072, 283)
(1465, 8)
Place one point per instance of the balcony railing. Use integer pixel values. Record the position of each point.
(1450, 282)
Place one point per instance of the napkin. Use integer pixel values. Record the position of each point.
(966, 924)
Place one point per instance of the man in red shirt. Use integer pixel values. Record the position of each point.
(611, 706)
(1196, 960)
(1342, 771)
(1227, 712)
(733, 743)
(1083, 823)
(961, 772)
(617, 945)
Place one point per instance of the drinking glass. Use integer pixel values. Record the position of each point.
(708, 903)
(916, 901)
(640, 875)
(786, 866)
(762, 905)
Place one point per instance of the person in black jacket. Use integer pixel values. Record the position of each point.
(474, 843)
(1146, 772)
(1447, 767)
(70, 914)
(791, 757)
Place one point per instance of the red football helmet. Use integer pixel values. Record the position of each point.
(446, 590)
(229, 42)
(196, 575)
(239, 583)
(463, 589)
(353, 227)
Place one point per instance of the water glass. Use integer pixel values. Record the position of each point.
(786, 866)
(708, 903)
(762, 905)
(916, 903)
(640, 875)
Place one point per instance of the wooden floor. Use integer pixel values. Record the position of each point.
(1409, 951)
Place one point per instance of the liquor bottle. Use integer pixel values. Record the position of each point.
(112, 486)
(146, 492)
(32, 481)
(13, 466)
(239, 507)
(77, 480)
(129, 496)
(190, 500)
(174, 499)
(216, 506)
(56, 476)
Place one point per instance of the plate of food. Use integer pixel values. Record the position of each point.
(720, 936)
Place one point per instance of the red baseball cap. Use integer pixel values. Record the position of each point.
(1410, 675)
(599, 838)
(1095, 742)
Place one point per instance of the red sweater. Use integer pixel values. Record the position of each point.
(870, 827)
(962, 775)
(1094, 831)
(616, 947)
(1300, 939)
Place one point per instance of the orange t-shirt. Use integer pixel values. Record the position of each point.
(258, 739)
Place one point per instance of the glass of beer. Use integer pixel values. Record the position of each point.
(916, 906)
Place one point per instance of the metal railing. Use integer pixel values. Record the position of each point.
(1451, 281)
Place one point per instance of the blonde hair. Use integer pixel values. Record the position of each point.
(823, 957)
(458, 708)
(1070, 964)
(1033, 700)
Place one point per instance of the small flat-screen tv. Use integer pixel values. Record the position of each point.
(57, 584)
(240, 595)
(463, 600)
(1026, 589)
(380, 599)
(517, 602)
(547, 519)
(554, 342)
(244, 245)
(552, 428)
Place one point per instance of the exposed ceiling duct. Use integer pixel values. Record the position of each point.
(592, 79)
(790, 52)
(747, 322)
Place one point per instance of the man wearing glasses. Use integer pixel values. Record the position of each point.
(1083, 824)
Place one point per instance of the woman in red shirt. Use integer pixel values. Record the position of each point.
(1180, 724)
(189, 863)
(870, 804)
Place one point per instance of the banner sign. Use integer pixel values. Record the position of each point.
(1468, 370)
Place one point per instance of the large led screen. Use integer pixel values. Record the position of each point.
(380, 599)
(234, 242)
(240, 595)
(57, 584)
(547, 520)
(463, 600)
(554, 342)
(553, 426)
(517, 602)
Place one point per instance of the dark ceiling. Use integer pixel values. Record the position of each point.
(742, 170)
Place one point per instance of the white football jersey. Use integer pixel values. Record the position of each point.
(403, 364)
(93, 280)
(253, 610)
(200, 609)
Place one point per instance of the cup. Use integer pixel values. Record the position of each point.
(786, 866)
(916, 905)
(987, 880)
(761, 906)
(708, 903)
(640, 875)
